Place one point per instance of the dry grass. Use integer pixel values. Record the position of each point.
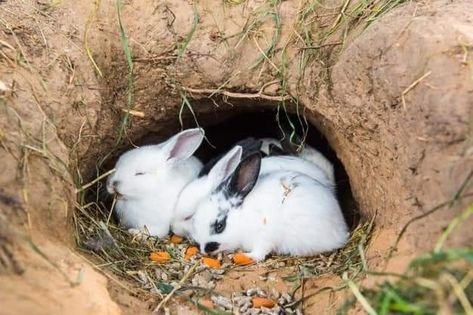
(116, 251)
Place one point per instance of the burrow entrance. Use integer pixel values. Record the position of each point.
(128, 258)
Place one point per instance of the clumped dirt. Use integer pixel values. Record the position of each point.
(393, 100)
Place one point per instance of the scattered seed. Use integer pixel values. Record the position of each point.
(164, 276)
(286, 297)
(222, 301)
(254, 311)
(261, 293)
(142, 276)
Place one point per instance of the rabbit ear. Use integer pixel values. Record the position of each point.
(245, 176)
(184, 144)
(274, 150)
(226, 165)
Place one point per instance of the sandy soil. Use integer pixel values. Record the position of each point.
(394, 101)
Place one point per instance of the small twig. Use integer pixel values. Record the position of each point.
(133, 112)
(264, 86)
(177, 287)
(342, 13)
(94, 181)
(111, 209)
(239, 95)
(410, 87)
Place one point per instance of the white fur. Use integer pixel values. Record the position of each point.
(150, 179)
(308, 153)
(286, 213)
(201, 187)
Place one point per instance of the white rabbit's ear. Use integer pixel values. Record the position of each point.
(245, 176)
(184, 144)
(225, 166)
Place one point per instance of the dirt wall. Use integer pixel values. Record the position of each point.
(394, 100)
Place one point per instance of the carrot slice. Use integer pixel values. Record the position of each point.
(242, 260)
(191, 252)
(176, 239)
(206, 302)
(211, 262)
(262, 302)
(160, 257)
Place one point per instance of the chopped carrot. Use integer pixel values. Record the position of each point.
(262, 302)
(160, 257)
(191, 252)
(242, 260)
(211, 262)
(206, 302)
(176, 239)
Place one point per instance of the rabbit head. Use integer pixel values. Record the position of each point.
(216, 224)
(200, 188)
(139, 171)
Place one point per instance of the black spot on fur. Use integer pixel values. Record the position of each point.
(220, 224)
(211, 247)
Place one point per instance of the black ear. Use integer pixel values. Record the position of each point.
(249, 145)
(245, 176)
(274, 150)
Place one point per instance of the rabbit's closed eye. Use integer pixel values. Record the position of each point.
(139, 173)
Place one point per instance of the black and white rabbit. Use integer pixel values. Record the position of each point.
(285, 212)
(222, 167)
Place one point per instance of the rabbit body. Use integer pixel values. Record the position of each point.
(201, 187)
(307, 153)
(285, 212)
(148, 180)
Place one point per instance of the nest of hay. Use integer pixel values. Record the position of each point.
(128, 257)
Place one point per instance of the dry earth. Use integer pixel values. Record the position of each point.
(395, 102)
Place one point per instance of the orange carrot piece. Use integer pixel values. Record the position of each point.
(206, 302)
(211, 262)
(242, 260)
(262, 302)
(160, 257)
(176, 239)
(191, 252)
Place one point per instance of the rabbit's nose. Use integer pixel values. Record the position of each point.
(211, 247)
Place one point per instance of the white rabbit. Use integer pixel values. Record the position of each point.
(307, 153)
(148, 180)
(310, 154)
(202, 186)
(284, 212)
